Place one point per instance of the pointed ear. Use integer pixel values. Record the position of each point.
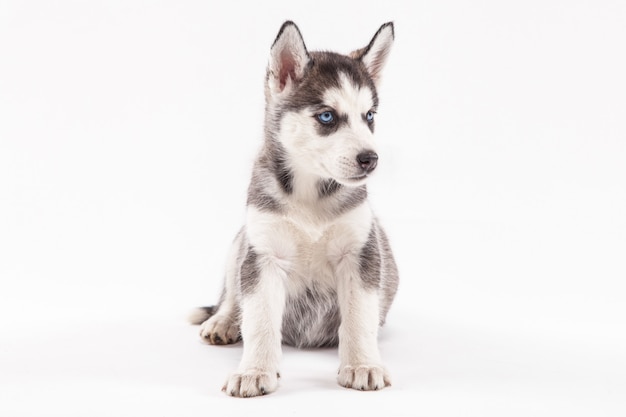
(288, 59)
(375, 54)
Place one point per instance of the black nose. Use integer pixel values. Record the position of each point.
(367, 160)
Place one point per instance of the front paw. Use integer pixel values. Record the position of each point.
(364, 377)
(251, 383)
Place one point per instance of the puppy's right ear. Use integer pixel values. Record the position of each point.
(288, 59)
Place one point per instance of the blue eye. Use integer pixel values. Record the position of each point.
(369, 116)
(326, 117)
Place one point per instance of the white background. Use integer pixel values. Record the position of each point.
(127, 133)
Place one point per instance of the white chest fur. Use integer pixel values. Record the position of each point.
(307, 247)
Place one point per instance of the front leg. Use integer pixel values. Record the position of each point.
(360, 367)
(357, 292)
(263, 301)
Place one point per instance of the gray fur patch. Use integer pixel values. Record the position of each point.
(258, 194)
(389, 284)
(312, 319)
(270, 177)
(284, 175)
(370, 260)
(249, 272)
(327, 188)
(340, 197)
(350, 198)
(324, 72)
(274, 160)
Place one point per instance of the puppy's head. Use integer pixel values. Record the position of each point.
(322, 105)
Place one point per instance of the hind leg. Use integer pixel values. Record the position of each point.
(223, 327)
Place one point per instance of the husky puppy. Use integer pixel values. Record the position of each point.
(312, 266)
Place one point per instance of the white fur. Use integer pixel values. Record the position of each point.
(304, 245)
(335, 155)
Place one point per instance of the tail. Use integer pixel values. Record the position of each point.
(201, 314)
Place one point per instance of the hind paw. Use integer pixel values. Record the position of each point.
(220, 330)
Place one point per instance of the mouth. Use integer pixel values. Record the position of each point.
(355, 179)
(358, 177)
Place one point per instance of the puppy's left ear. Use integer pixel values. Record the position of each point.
(375, 54)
